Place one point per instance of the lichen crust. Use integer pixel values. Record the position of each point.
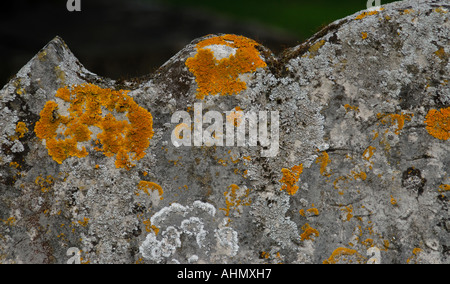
(92, 106)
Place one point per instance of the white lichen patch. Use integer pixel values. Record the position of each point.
(196, 223)
(221, 51)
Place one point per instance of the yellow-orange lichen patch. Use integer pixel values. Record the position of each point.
(14, 165)
(415, 254)
(21, 129)
(368, 153)
(308, 232)
(444, 187)
(44, 183)
(349, 210)
(83, 223)
(235, 198)
(438, 123)
(149, 227)
(147, 186)
(221, 76)
(11, 221)
(365, 14)
(344, 255)
(395, 118)
(324, 160)
(349, 107)
(393, 200)
(361, 175)
(127, 139)
(290, 178)
(313, 211)
(441, 10)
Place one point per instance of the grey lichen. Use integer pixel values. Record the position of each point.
(352, 100)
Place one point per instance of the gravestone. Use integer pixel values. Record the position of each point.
(334, 151)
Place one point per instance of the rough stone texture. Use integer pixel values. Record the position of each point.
(353, 102)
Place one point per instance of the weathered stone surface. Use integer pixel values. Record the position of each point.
(360, 173)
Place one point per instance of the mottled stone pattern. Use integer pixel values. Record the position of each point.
(361, 114)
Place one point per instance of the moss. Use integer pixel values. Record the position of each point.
(438, 123)
(222, 76)
(314, 49)
(290, 178)
(118, 137)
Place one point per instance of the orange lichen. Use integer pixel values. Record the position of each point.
(324, 160)
(444, 187)
(11, 221)
(87, 102)
(21, 129)
(290, 178)
(221, 76)
(414, 256)
(344, 255)
(395, 118)
(308, 231)
(438, 123)
(44, 183)
(149, 227)
(368, 153)
(14, 165)
(393, 200)
(363, 35)
(84, 222)
(441, 10)
(145, 186)
(365, 14)
(349, 107)
(235, 201)
(302, 212)
(407, 11)
(313, 211)
(349, 210)
(361, 175)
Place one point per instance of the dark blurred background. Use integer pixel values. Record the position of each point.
(125, 39)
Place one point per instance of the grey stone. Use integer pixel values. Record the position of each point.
(359, 175)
